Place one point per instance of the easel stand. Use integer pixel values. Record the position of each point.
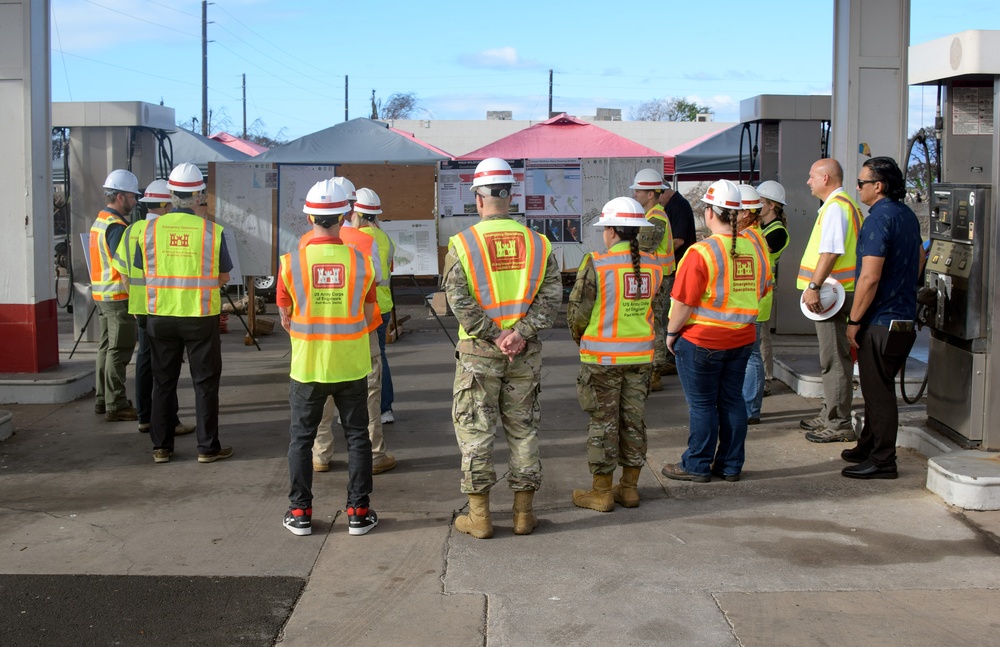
(423, 297)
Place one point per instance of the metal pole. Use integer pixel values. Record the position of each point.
(204, 68)
(550, 94)
(345, 97)
(244, 106)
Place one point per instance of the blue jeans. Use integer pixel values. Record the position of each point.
(753, 382)
(306, 401)
(713, 385)
(387, 394)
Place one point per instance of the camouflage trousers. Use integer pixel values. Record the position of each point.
(659, 326)
(487, 388)
(615, 397)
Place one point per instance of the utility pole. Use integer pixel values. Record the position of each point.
(244, 106)
(204, 68)
(550, 94)
(345, 97)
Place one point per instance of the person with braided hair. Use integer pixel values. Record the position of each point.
(711, 331)
(610, 316)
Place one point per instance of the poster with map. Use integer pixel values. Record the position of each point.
(294, 182)
(553, 200)
(455, 197)
(416, 246)
(244, 195)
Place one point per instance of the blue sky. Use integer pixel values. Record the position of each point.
(460, 64)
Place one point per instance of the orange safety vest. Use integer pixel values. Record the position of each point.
(180, 256)
(620, 330)
(735, 285)
(665, 250)
(504, 263)
(846, 264)
(329, 332)
(106, 283)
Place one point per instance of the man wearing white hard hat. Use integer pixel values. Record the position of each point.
(503, 284)
(156, 202)
(832, 252)
(110, 292)
(616, 353)
(185, 261)
(659, 241)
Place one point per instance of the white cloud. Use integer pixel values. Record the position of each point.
(504, 58)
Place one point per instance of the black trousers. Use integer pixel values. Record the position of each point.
(168, 337)
(877, 369)
(144, 377)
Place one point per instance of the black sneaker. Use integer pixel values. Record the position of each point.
(298, 521)
(361, 520)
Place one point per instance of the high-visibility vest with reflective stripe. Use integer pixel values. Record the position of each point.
(843, 270)
(180, 256)
(364, 243)
(124, 261)
(329, 332)
(665, 250)
(504, 263)
(767, 303)
(735, 286)
(621, 324)
(386, 250)
(106, 283)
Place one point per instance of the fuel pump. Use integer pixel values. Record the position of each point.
(961, 283)
(785, 134)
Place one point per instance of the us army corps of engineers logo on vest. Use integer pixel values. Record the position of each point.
(640, 288)
(328, 275)
(506, 250)
(179, 240)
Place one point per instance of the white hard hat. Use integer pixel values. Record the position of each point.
(831, 298)
(492, 171)
(623, 212)
(347, 186)
(772, 191)
(122, 180)
(186, 178)
(723, 194)
(749, 198)
(157, 191)
(326, 198)
(368, 202)
(648, 180)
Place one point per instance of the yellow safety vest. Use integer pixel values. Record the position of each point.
(767, 303)
(386, 250)
(329, 332)
(106, 283)
(843, 270)
(124, 261)
(735, 286)
(620, 330)
(180, 256)
(504, 263)
(665, 250)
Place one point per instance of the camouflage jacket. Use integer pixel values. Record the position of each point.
(650, 237)
(582, 299)
(470, 314)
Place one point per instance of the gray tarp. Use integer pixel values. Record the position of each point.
(711, 157)
(358, 141)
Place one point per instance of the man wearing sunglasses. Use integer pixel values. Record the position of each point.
(831, 252)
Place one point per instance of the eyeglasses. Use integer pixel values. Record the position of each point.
(862, 183)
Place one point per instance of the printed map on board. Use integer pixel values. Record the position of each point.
(243, 200)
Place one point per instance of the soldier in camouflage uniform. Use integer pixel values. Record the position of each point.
(610, 316)
(659, 241)
(499, 355)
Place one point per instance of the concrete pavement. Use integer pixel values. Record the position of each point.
(793, 554)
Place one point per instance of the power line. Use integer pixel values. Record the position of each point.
(150, 22)
(160, 4)
(59, 40)
(311, 91)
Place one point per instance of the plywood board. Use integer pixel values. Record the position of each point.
(406, 190)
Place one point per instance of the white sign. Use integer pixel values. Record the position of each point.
(294, 182)
(244, 194)
(416, 246)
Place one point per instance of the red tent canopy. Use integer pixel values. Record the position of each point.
(560, 137)
(420, 141)
(241, 145)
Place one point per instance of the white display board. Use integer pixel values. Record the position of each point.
(294, 182)
(244, 193)
(553, 199)
(416, 246)
(455, 197)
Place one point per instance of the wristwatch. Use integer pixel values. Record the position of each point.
(813, 286)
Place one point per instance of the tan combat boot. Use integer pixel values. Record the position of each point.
(599, 498)
(524, 519)
(626, 493)
(655, 383)
(477, 523)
